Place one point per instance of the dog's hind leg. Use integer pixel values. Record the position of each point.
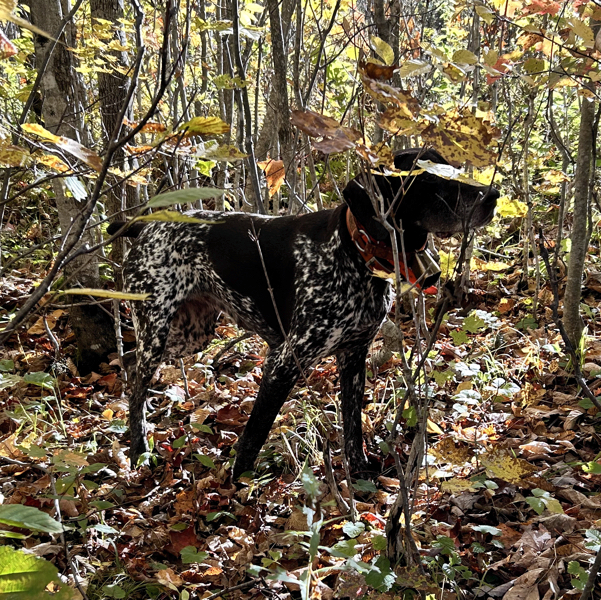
(163, 334)
(152, 329)
(280, 373)
(351, 366)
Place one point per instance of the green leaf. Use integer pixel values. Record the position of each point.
(593, 540)
(411, 415)
(205, 460)
(379, 543)
(107, 529)
(213, 516)
(344, 549)
(459, 337)
(586, 403)
(310, 482)
(105, 294)
(13, 535)
(353, 529)
(7, 366)
(25, 577)
(180, 442)
(574, 568)
(44, 380)
(362, 485)
(537, 504)
(527, 323)
(28, 517)
(190, 555)
(473, 323)
(34, 451)
(441, 377)
(114, 591)
(383, 50)
(102, 504)
(186, 196)
(487, 529)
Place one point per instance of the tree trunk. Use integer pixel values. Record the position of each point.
(112, 92)
(62, 111)
(280, 92)
(582, 192)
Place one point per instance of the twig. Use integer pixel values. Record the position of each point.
(185, 378)
(228, 346)
(240, 586)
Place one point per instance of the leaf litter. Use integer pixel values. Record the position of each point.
(508, 496)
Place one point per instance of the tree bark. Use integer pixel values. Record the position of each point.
(280, 92)
(582, 192)
(62, 111)
(112, 91)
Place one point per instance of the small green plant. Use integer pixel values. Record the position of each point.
(541, 500)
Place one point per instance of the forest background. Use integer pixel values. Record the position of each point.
(482, 415)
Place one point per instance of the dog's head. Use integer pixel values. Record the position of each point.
(424, 203)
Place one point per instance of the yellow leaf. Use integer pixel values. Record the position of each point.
(456, 486)
(383, 50)
(108, 414)
(40, 132)
(447, 452)
(583, 31)
(507, 207)
(172, 216)
(105, 294)
(84, 154)
(53, 162)
(503, 464)
(204, 126)
(465, 57)
(433, 427)
(487, 15)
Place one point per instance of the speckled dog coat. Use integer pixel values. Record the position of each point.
(328, 302)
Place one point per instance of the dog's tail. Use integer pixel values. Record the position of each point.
(133, 230)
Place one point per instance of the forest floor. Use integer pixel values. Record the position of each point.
(508, 506)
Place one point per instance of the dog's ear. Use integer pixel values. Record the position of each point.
(358, 200)
(405, 160)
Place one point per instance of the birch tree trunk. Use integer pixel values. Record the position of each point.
(62, 111)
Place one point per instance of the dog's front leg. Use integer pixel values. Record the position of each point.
(280, 373)
(351, 366)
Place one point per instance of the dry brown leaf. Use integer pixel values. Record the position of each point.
(274, 173)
